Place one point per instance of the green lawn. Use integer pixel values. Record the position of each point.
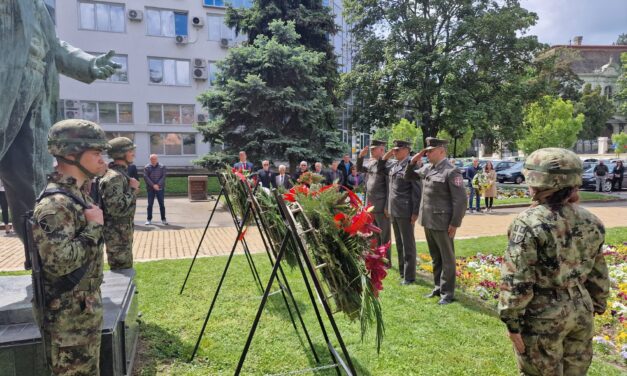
(584, 195)
(177, 186)
(421, 337)
(497, 244)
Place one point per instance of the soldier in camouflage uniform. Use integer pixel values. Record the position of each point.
(69, 238)
(553, 276)
(118, 194)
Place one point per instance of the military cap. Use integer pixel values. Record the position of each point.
(401, 144)
(432, 143)
(553, 168)
(119, 146)
(375, 143)
(73, 136)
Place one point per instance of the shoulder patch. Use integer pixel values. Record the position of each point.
(518, 233)
(47, 222)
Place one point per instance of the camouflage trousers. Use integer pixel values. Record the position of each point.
(557, 332)
(71, 333)
(119, 241)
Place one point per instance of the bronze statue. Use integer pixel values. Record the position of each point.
(31, 59)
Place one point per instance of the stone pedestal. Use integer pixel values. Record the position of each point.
(603, 145)
(197, 188)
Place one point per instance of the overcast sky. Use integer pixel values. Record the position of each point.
(598, 21)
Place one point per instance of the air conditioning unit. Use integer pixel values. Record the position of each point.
(135, 15)
(225, 42)
(201, 118)
(72, 114)
(198, 22)
(181, 39)
(200, 63)
(71, 104)
(200, 73)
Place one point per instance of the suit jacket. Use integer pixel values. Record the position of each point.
(287, 184)
(331, 176)
(266, 178)
(404, 193)
(443, 195)
(376, 182)
(243, 166)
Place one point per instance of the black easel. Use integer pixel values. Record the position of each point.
(225, 191)
(284, 286)
(304, 260)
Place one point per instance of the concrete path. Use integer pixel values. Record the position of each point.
(187, 221)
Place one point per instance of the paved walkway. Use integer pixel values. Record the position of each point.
(187, 221)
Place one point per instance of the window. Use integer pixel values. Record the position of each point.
(121, 74)
(170, 113)
(101, 16)
(169, 71)
(112, 135)
(213, 70)
(214, 3)
(217, 28)
(107, 112)
(166, 23)
(608, 92)
(234, 3)
(173, 143)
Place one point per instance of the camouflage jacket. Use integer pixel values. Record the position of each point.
(551, 251)
(64, 238)
(118, 198)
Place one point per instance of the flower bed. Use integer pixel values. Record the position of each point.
(478, 276)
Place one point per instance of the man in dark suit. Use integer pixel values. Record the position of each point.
(345, 167)
(265, 176)
(243, 164)
(334, 174)
(281, 179)
(441, 212)
(403, 208)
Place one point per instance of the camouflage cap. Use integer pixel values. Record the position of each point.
(553, 168)
(74, 136)
(119, 146)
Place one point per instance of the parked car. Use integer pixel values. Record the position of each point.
(588, 180)
(512, 174)
(502, 165)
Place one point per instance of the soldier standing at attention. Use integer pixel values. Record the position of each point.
(67, 232)
(377, 189)
(553, 277)
(403, 207)
(118, 193)
(442, 210)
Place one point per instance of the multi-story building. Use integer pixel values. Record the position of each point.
(168, 51)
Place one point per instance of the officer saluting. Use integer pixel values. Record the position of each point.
(403, 207)
(442, 209)
(67, 232)
(377, 188)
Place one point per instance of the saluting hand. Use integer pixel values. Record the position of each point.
(94, 214)
(418, 157)
(388, 155)
(363, 152)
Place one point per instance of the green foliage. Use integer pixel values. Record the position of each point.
(620, 139)
(403, 130)
(622, 39)
(552, 74)
(550, 122)
(457, 145)
(270, 100)
(450, 64)
(597, 109)
(621, 95)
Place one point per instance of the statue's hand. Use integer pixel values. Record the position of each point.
(103, 67)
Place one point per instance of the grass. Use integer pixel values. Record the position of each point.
(584, 196)
(177, 186)
(421, 337)
(497, 244)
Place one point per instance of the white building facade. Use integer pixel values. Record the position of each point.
(168, 51)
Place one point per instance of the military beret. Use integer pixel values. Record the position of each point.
(401, 144)
(432, 143)
(375, 143)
